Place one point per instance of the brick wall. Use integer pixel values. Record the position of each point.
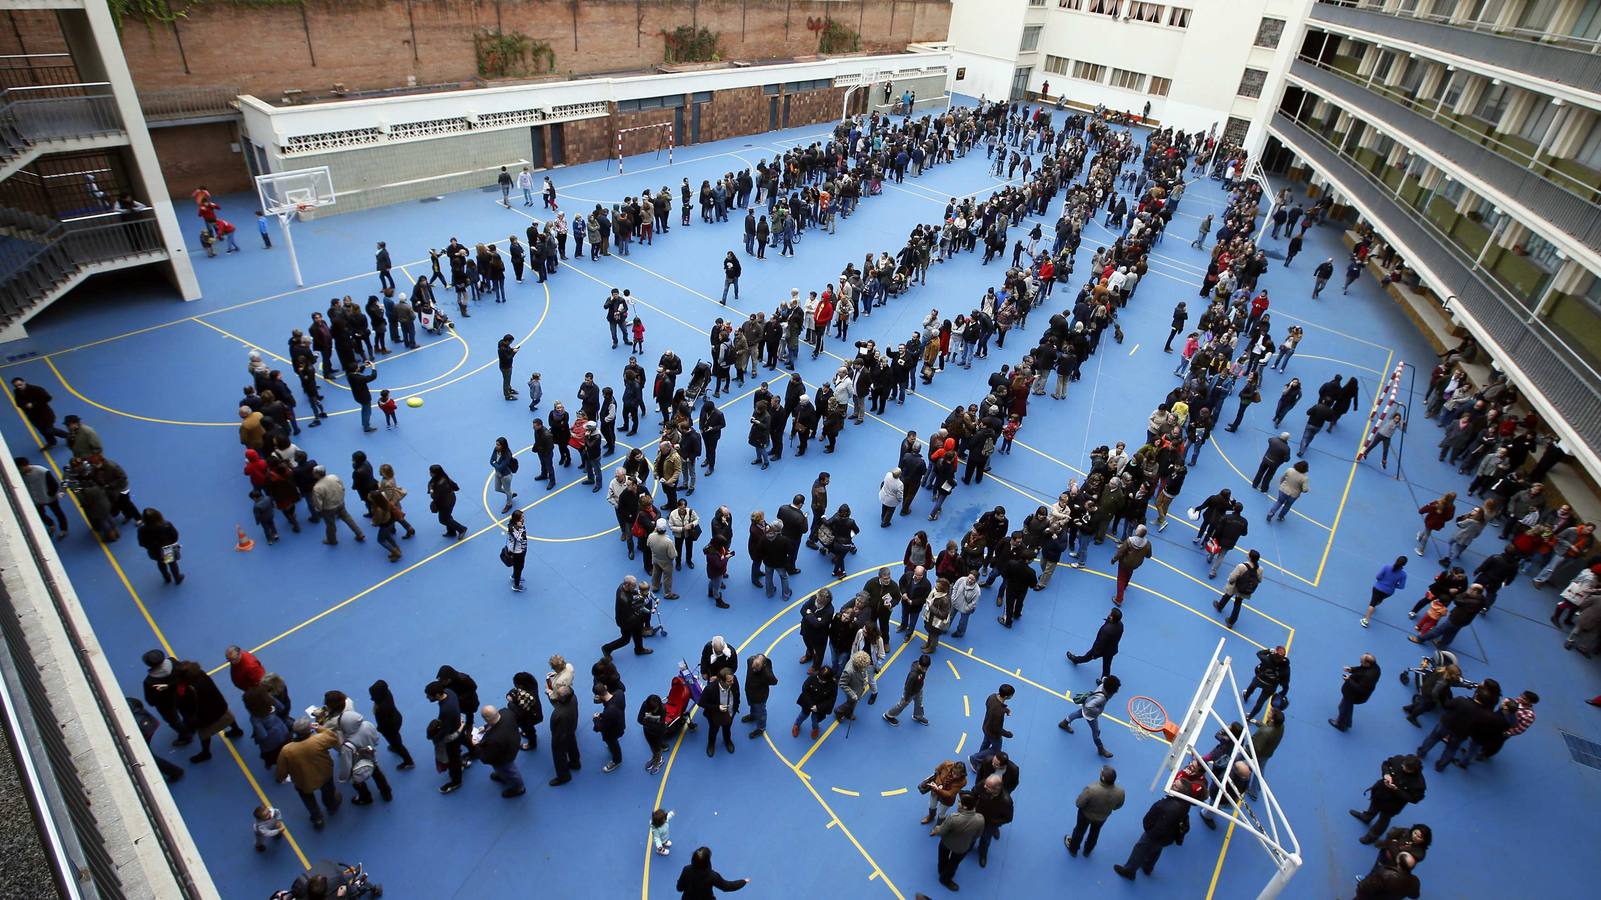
(380, 43)
(191, 155)
(589, 140)
(644, 141)
(811, 107)
(733, 113)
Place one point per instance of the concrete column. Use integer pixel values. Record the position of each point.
(92, 38)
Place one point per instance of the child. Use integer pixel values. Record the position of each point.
(387, 404)
(261, 226)
(639, 335)
(536, 391)
(226, 230)
(658, 831)
(208, 241)
(269, 823)
(262, 507)
(685, 217)
(1009, 431)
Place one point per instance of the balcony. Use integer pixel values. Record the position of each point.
(56, 118)
(1539, 197)
(1550, 366)
(40, 260)
(1571, 62)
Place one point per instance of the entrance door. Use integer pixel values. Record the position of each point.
(772, 113)
(1020, 82)
(536, 150)
(558, 145)
(786, 111)
(678, 126)
(694, 124)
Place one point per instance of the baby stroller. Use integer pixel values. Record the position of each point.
(343, 881)
(684, 694)
(654, 623)
(699, 378)
(433, 320)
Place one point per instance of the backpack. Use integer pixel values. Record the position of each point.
(513, 465)
(1247, 581)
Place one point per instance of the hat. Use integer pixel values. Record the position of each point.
(153, 658)
(661, 524)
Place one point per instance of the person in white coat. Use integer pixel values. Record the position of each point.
(890, 493)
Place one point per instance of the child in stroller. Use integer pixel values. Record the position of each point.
(699, 378)
(433, 320)
(682, 697)
(331, 879)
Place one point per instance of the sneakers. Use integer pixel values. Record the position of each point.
(610, 767)
(1065, 726)
(919, 720)
(450, 787)
(1412, 615)
(1364, 621)
(891, 719)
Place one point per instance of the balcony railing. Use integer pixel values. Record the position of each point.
(68, 247)
(31, 115)
(1344, 10)
(33, 69)
(1559, 372)
(1558, 198)
(190, 103)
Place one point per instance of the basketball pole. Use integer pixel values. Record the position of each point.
(289, 242)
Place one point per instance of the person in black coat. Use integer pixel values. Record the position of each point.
(611, 722)
(720, 701)
(466, 690)
(1360, 681)
(156, 534)
(1165, 823)
(1276, 454)
(161, 692)
(795, 524)
(1104, 647)
(759, 681)
(698, 879)
(630, 614)
(816, 700)
(359, 380)
(498, 749)
(1400, 782)
(386, 716)
(564, 734)
(817, 613)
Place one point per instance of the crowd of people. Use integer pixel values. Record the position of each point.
(1105, 177)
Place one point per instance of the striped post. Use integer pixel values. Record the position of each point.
(1382, 408)
(619, 152)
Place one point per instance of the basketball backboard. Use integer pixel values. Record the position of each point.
(297, 191)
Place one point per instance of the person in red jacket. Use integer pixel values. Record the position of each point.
(243, 668)
(822, 317)
(1435, 517)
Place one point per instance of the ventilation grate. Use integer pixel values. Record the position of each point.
(1584, 752)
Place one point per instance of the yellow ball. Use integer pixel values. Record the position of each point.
(414, 402)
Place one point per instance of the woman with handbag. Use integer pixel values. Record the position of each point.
(394, 493)
(442, 501)
(684, 523)
(843, 530)
(160, 540)
(504, 464)
(948, 780)
(515, 551)
(384, 520)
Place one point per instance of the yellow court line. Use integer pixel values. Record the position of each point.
(840, 790)
(877, 869)
(1222, 853)
(967, 708)
(895, 793)
(1215, 446)
(957, 675)
(466, 351)
(960, 743)
(1339, 511)
(502, 518)
(144, 611)
(661, 790)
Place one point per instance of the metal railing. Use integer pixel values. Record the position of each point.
(1560, 373)
(69, 247)
(1325, 9)
(1556, 197)
(29, 115)
(189, 103)
(93, 865)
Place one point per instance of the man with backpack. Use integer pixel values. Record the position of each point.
(358, 758)
(1091, 705)
(1242, 583)
(45, 491)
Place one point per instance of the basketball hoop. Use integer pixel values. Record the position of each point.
(296, 194)
(1151, 718)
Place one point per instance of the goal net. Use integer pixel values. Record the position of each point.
(644, 139)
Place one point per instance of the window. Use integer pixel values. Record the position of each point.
(1269, 32)
(1160, 86)
(816, 84)
(1588, 25)
(1141, 11)
(1031, 38)
(1589, 152)
(1443, 9)
(1089, 71)
(1129, 81)
(1036, 2)
(1451, 87)
(1071, 4)
(1486, 11)
(1492, 103)
(1382, 65)
(1412, 76)
(1450, 191)
(1542, 253)
(1105, 7)
(1542, 112)
(1234, 131)
(770, 90)
(1178, 17)
(1251, 83)
(1537, 14)
(1056, 65)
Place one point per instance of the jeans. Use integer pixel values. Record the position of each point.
(1453, 743)
(1283, 360)
(730, 283)
(1281, 505)
(1085, 833)
(783, 576)
(386, 538)
(366, 417)
(1306, 439)
(330, 799)
(1095, 725)
(758, 715)
(916, 700)
(961, 624)
(1442, 634)
(1262, 698)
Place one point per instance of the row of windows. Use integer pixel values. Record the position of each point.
(1136, 10)
(795, 87)
(1121, 78)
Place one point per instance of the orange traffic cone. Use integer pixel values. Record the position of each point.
(245, 544)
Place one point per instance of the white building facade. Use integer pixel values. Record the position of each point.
(1199, 64)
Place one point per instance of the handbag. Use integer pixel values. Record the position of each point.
(170, 553)
(1213, 547)
(693, 534)
(507, 558)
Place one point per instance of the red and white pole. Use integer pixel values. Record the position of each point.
(619, 152)
(1381, 409)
